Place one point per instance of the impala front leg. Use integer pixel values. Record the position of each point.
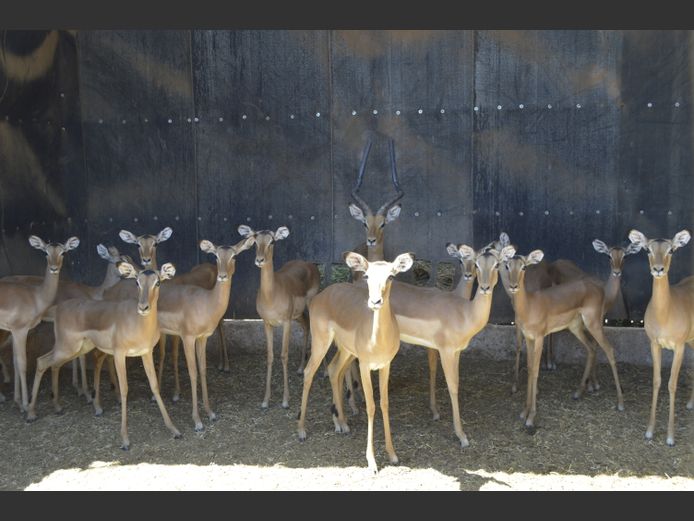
(336, 372)
(223, 364)
(656, 356)
(19, 343)
(451, 369)
(121, 371)
(537, 359)
(383, 388)
(370, 411)
(286, 330)
(189, 351)
(270, 356)
(201, 352)
(148, 363)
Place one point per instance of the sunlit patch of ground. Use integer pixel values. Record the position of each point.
(146, 476)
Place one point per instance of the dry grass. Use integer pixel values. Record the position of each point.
(577, 444)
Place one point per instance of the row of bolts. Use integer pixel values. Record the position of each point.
(318, 114)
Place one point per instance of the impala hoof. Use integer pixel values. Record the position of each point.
(436, 416)
(212, 417)
(153, 399)
(670, 441)
(125, 446)
(394, 460)
(649, 434)
(199, 427)
(59, 412)
(300, 371)
(373, 468)
(264, 405)
(620, 407)
(514, 389)
(176, 398)
(464, 442)
(576, 395)
(227, 370)
(302, 435)
(690, 405)
(98, 412)
(177, 435)
(285, 405)
(31, 418)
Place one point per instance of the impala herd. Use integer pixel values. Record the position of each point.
(134, 309)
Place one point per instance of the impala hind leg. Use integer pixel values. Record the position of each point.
(672, 389)
(577, 330)
(201, 353)
(304, 323)
(19, 348)
(223, 363)
(533, 374)
(162, 357)
(336, 372)
(320, 343)
(57, 357)
(270, 357)
(432, 359)
(148, 363)
(98, 363)
(519, 346)
(595, 328)
(451, 370)
(175, 350)
(83, 375)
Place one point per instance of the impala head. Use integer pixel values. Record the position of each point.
(388, 212)
(264, 241)
(226, 256)
(378, 274)
(54, 251)
(517, 264)
(146, 244)
(467, 264)
(148, 282)
(616, 254)
(659, 250)
(487, 261)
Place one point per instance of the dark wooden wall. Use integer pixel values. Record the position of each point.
(206, 130)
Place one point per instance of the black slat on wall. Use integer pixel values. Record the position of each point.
(206, 130)
(43, 186)
(267, 162)
(546, 144)
(655, 151)
(398, 74)
(137, 97)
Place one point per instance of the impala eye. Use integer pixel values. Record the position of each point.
(382, 225)
(365, 276)
(157, 283)
(365, 225)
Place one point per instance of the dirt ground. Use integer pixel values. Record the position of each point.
(578, 445)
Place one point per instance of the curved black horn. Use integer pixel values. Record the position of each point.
(362, 168)
(394, 173)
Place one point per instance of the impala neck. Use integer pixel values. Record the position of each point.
(464, 288)
(375, 252)
(48, 289)
(520, 301)
(110, 279)
(481, 308)
(611, 289)
(660, 299)
(267, 276)
(220, 294)
(383, 319)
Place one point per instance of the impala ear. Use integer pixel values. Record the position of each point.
(355, 261)
(281, 233)
(466, 252)
(504, 239)
(164, 234)
(680, 239)
(245, 230)
(126, 270)
(601, 247)
(207, 246)
(167, 271)
(393, 213)
(403, 262)
(452, 250)
(357, 213)
(535, 256)
(243, 245)
(37, 242)
(507, 253)
(632, 248)
(71, 244)
(639, 238)
(128, 237)
(104, 253)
